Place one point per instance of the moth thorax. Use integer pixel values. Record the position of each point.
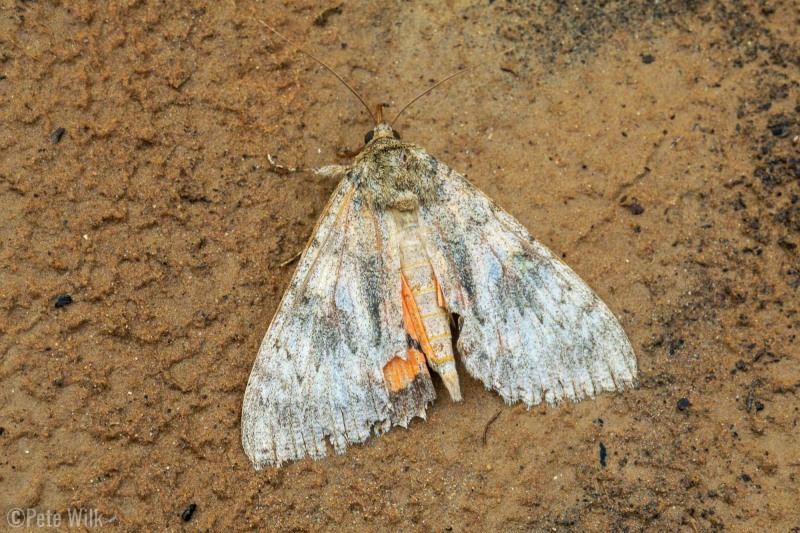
(405, 201)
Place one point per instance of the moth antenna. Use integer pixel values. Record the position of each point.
(321, 62)
(448, 78)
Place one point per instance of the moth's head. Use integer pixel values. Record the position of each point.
(381, 129)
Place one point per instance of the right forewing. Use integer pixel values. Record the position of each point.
(531, 329)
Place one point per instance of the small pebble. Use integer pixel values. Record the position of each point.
(635, 208)
(187, 513)
(745, 477)
(780, 131)
(2, 431)
(55, 138)
(602, 455)
(684, 404)
(63, 301)
(648, 58)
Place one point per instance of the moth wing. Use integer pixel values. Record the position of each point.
(530, 328)
(318, 374)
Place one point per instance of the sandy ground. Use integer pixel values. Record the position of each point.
(653, 146)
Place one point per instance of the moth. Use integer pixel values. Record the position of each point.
(406, 253)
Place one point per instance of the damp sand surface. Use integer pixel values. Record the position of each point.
(654, 147)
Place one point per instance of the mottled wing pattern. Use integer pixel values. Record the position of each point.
(530, 329)
(319, 372)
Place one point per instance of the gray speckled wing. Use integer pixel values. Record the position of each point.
(318, 374)
(530, 328)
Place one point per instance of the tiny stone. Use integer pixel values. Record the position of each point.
(187, 513)
(602, 455)
(740, 365)
(684, 404)
(745, 477)
(55, 138)
(780, 131)
(635, 208)
(63, 301)
(648, 58)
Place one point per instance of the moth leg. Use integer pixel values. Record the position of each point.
(329, 171)
(280, 169)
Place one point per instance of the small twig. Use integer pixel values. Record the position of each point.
(291, 259)
(489, 423)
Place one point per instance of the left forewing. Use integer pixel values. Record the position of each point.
(318, 374)
(530, 329)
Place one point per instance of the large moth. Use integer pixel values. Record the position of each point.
(406, 252)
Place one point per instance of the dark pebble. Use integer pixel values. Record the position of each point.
(63, 301)
(602, 455)
(684, 404)
(780, 131)
(2, 431)
(741, 365)
(635, 208)
(797, 108)
(674, 346)
(648, 58)
(745, 477)
(323, 18)
(187, 513)
(55, 138)
(599, 422)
